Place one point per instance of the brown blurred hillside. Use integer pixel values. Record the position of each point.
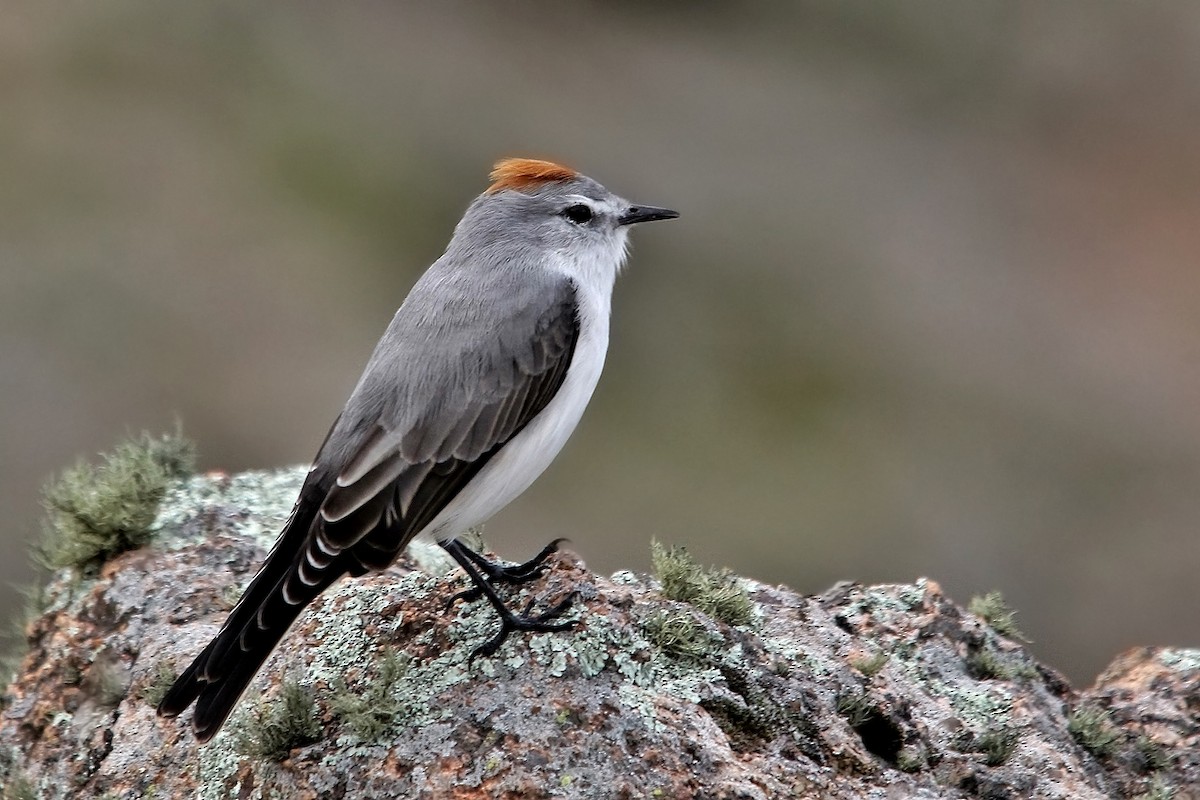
(933, 307)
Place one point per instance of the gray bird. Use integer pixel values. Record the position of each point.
(474, 388)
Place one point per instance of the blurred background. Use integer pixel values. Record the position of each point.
(932, 307)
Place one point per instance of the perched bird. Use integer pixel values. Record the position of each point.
(474, 388)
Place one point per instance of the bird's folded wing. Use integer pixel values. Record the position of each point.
(399, 478)
(400, 467)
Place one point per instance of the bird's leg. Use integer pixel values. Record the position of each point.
(516, 574)
(509, 621)
(502, 573)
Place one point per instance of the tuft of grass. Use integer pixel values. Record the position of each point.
(95, 512)
(716, 592)
(856, 708)
(1158, 790)
(679, 635)
(992, 609)
(870, 665)
(1093, 729)
(156, 688)
(376, 709)
(274, 729)
(911, 759)
(987, 664)
(997, 745)
(1149, 755)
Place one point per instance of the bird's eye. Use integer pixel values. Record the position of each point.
(578, 213)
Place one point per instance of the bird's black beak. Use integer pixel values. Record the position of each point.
(635, 214)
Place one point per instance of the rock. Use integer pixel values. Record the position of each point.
(880, 691)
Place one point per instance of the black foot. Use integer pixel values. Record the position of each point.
(494, 573)
(484, 574)
(541, 623)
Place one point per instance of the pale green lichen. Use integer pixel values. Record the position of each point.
(887, 605)
(652, 676)
(1180, 659)
(263, 500)
(913, 595)
(981, 707)
(160, 681)
(791, 654)
(625, 577)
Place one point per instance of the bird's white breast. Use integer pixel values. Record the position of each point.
(511, 471)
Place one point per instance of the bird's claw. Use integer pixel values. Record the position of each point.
(540, 623)
(525, 572)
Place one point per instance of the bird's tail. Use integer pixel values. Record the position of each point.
(218, 677)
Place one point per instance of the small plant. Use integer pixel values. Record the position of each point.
(855, 707)
(987, 664)
(1158, 790)
(95, 512)
(992, 609)
(1150, 755)
(373, 711)
(911, 759)
(1093, 729)
(679, 635)
(289, 722)
(870, 665)
(154, 690)
(715, 592)
(997, 745)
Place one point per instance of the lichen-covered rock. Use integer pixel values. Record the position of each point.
(882, 692)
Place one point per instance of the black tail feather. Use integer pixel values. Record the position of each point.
(219, 675)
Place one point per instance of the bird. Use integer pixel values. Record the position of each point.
(474, 388)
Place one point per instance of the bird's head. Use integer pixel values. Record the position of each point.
(554, 210)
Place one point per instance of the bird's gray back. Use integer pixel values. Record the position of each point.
(463, 336)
